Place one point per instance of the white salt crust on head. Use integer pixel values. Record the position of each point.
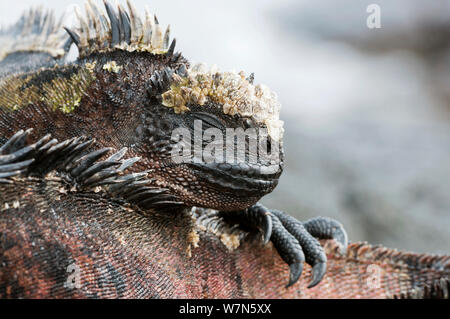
(231, 90)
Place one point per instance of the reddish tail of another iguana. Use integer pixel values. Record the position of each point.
(50, 250)
(378, 272)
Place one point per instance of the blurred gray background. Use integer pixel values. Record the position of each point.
(367, 111)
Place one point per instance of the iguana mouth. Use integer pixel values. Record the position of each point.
(240, 177)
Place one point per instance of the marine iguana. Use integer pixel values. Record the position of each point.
(89, 183)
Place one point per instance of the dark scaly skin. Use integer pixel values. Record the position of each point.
(125, 247)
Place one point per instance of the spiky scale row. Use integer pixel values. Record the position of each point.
(84, 170)
(121, 29)
(14, 153)
(36, 31)
(160, 81)
(439, 290)
(136, 189)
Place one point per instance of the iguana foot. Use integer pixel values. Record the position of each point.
(296, 242)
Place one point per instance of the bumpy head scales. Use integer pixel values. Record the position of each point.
(235, 93)
(36, 31)
(121, 29)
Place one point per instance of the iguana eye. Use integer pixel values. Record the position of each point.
(208, 120)
(248, 123)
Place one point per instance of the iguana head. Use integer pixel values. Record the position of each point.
(211, 138)
(223, 138)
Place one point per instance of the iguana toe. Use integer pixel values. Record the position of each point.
(256, 216)
(289, 249)
(295, 241)
(327, 228)
(262, 217)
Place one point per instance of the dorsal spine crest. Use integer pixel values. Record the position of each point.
(119, 29)
(36, 31)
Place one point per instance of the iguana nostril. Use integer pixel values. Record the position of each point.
(269, 145)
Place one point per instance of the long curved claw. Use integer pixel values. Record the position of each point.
(318, 272)
(267, 227)
(328, 228)
(289, 249)
(295, 270)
